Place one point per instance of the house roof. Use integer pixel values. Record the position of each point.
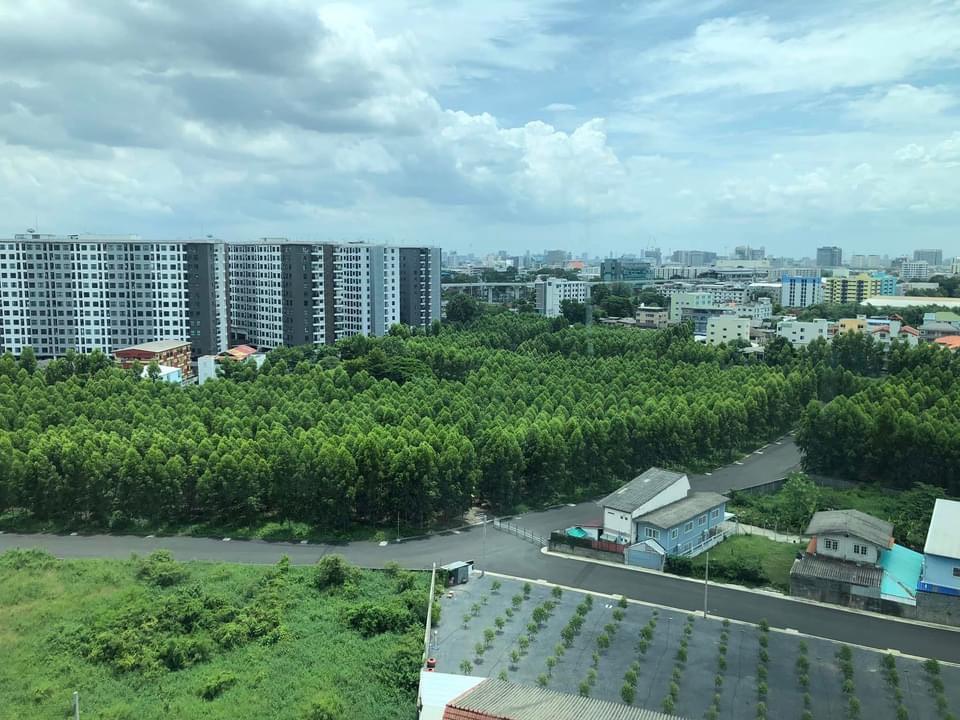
(943, 537)
(508, 701)
(240, 352)
(156, 346)
(695, 503)
(852, 522)
(641, 489)
(818, 566)
(950, 341)
(938, 327)
(909, 330)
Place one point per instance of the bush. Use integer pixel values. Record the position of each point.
(643, 645)
(488, 636)
(718, 681)
(682, 654)
(584, 689)
(803, 664)
(371, 619)
(931, 666)
(678, 565)
(722, 662)
(630, 677)
(502, 675)
(216, 685)
(764, 625)
(674, 691)
(764, 655)
(499, 622)
(603, 641)
(542, 680)
(845, 653)
(761, 711)
(466, 667)
(847, 687)
(592, 676)
(902, 713)
(332, 571)
(495, 586)
(853, 708)
(763, 640)
(514, 657)
(618, 615)
(527, 589)
(761, 689)
(622, 602)
(557, 592)
(478, 649)
(627, 693)
(804, 681)
(669, 705)
(516, 600)
(160, 569)
(325, 706)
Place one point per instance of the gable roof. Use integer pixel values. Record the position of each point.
(949, 341)
(641, 489)
(852, 522)
(695, 503)
(943, 537)
(508, 701)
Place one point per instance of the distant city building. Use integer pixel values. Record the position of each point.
(698, 307)
(745, 252)
(551, 292)
(800, 292)
(653, 255)
(829, 256)
(915, 270)
(694, 257)
(727, 328)
(652, 317)
(857, 288)
(168, 353)
(420, 285)
(624, 270)
(800, 334)
(795, 271)
(930, 256)
(555, 258)
(95, 292)
(955, 266)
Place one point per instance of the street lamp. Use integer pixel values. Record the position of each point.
(706, 583)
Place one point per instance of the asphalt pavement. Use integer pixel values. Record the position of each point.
(770, 462)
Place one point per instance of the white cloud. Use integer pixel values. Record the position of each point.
(559, 107)
(903, 104)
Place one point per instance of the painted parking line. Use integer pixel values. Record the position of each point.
(737, 462)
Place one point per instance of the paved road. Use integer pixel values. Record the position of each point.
(507, 554)
(770, 462)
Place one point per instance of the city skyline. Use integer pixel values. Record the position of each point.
(700, 125)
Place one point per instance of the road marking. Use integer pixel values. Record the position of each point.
(456, 532)
(383, 543)
(791, 631)
(149, 537)
(73, 534)
(709, 474)
(758, 452)
(779, 442)
(303, 542)
(737, 462)
(226, 539)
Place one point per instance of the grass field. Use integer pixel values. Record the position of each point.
(152, 638)
(774, 558)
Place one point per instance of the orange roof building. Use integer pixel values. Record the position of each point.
(949, 341)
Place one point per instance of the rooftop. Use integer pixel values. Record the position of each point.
(508, 701)
(943, 537)
(156, 346)
(901, 572)
(852, 522)
(938, 326)
(906, 301)
(641, 489)
(950, 341)
(818, 566)
(695, 503)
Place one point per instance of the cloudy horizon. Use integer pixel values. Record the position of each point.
(484, 126)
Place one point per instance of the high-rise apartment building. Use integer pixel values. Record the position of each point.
(955, 266)
(366, 289)
(829, 256)
(551, 292)
(930, 256)
(420, 285)
(914, 270)
(694, 257)
(799, 292)
(93, 292)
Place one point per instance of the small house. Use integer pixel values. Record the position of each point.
(938, 596)
(849, 535)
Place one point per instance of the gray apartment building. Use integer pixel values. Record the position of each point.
(103, 292)
(419, 286)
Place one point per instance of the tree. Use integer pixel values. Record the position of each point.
(462, 308)
(28, 360)
(573, 311)
(153, 370)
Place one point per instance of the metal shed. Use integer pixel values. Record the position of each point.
(458, 572)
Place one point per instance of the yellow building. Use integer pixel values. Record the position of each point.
(853, 289)
(845, 325)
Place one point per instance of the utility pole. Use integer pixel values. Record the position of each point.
(483, 551)
(76, 705)
(706, 583)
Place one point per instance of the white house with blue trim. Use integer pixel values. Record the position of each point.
(659, 511)
(938, 596)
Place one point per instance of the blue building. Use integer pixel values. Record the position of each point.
(888, 283)
(658, 511)
(938, 596)
(799, 292)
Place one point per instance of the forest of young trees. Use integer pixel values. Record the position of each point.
(511, 409)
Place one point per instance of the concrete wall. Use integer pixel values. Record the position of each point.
(935, 607)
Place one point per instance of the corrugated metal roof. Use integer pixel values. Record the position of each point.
(696, 503)
(156, 346)
(641, 489)
(817, 566)
(943, 537)
(507, 701)
(852, 522)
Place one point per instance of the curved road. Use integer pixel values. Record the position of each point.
(509, 555)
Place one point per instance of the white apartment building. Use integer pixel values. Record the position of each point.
(801, 334)
(95, 292)
(551, 292)
(727, 328)
(800, 292)
(955, 266)
(915, 270)
(367, 289)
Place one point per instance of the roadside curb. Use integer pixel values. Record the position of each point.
(755, 591)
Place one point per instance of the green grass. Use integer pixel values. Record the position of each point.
(774, 558)
(273, 643)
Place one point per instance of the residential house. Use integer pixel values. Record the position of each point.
(174, 353)
(850, 535)
(801, 334)
(945, 316)
(652, 317)
(951, 342)
(659, 506)
(938, 599)
(933, 329)
(727, 328)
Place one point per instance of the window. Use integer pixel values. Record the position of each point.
(831, 544)
(675, 533)
(653, 533)
(702, 520)
(859, 549)
(688, 527)
(956, 572)
(715, 513)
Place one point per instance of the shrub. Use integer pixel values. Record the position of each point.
(483, 599)
(371, 619)
(603, 641)
(937, 684)
(508, 612)
(557, 592)
(711, 714)
(332, 571)
(588, 599)
(643, 645)
(803, 647)
(551, 664)
(804, 681)
(524, 642)
(466, 620)
(475, 609)
(514, 657)
(675, 675)
(803, 664)
(584, 689)
(539, 615)
(527, 589)
(674, 691)
(646, 632)
(718, 681)
(902, 713)
(669, 705)
(567, 634)
(215, 685)
(761, 689)
(888, 662)
(807, 700)
(502, 675)
(610, 629)
(764, 655)
(806, 715)
(726, 622)
(682, 654)
(542, 680)
(761, 711)
(845, 653)
(687, 630)
(592, 676)
(499, 622)
(618, 614)
(517, 600)
(466, 666)
(627, 693)
(847, 687)
(931, 666)
(479, 648)
(764, 641)
(488, 635)
(630, 677)
(495, 586)
(532, 628)
(595, 659)
(853, 708)
(764, 625)
(622, 602)
(160, 569)
(582, 609)
(761, 672)
(722, 662)
(325, 706)
(678, 565)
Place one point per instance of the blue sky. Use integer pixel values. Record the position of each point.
(477, 126)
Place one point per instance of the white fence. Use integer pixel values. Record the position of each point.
(520, 532)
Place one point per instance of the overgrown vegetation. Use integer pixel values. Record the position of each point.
(155, 638)
(745, 559)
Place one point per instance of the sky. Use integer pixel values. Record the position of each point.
(599, 127)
